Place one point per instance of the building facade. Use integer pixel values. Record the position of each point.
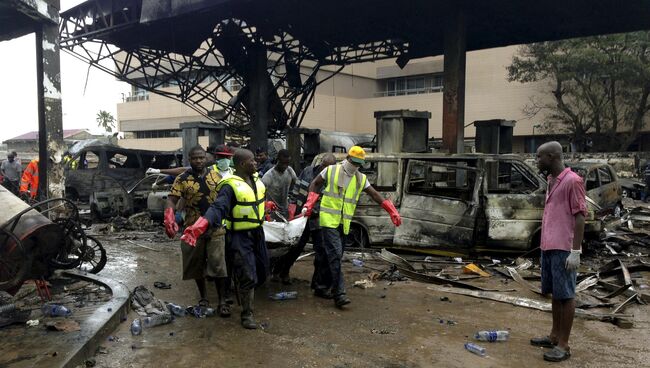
(347, 102)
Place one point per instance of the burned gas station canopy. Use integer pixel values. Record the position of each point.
(213, 41)
(342, 31)
(20, 17)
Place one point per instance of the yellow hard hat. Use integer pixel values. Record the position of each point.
(357, 155)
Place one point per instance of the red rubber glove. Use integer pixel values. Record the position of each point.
(193, 232)
(292, 211)
(171, 227)
(270, 206)
(392, 211)
(312, 198)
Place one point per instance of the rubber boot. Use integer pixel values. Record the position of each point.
(247, 320)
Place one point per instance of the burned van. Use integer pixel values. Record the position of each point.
(457, 203)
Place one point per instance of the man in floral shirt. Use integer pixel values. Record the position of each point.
(198, 188)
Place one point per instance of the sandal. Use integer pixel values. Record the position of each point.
(557, 354)
(545, 342)
(223, 310)
(203, 302)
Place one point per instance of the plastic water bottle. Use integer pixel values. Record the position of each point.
(357, 262)
(492, 336)
(159, 319)
(136, 327)
(176, 310)
(7, 308)
(55, 310)
(475, 349)
(284, 295)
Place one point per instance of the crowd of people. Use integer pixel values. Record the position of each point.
(23, 183)
(222, 200)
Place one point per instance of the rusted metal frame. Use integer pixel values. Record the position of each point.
(520, 280)
(453, 105)
(527, 303)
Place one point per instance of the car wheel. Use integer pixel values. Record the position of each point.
(357, 238)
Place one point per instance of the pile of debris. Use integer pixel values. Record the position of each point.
(603, 291)
(138, 222)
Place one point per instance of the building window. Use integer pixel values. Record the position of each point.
(233, 85)
(163, 133)
(413, 85)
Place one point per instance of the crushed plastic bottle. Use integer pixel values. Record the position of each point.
(357, 262)
(284, 295)
(176, 310)
(475, 349)
(492, 336)
(136, 327)
(159, 319)
(199, 311)
(55, 310)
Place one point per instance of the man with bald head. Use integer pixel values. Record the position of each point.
(563, 225)
(321, 281)
(240, 202)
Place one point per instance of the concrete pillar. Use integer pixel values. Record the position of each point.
(216, 136)
(453, 105)
(190, 137)
(50, 117)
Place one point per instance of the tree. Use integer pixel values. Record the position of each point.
(105, 120)
(598, 86)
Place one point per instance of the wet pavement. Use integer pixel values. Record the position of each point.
(399, 324)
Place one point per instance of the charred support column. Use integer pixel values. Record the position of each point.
(50, 121)
(259, 98)
(303, 145)
(453, 105)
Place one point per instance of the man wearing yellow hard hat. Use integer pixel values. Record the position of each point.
(343, 186)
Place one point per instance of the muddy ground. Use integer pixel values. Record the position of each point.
(402, 324)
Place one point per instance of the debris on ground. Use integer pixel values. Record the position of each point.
(65, 325)
(364, 284)
(375, 331)
(162, 285)
(474, 269)
(145, 303)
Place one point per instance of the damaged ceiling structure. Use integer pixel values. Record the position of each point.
(279, 51)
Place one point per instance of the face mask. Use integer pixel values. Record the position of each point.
(349, 168)
(223, 164)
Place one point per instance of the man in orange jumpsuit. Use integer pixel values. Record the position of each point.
(29, 180)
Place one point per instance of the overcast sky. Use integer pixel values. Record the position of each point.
(18, 104)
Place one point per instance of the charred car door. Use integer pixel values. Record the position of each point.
(513, 200)
(371, 224)
(79, 181)
(439, 204)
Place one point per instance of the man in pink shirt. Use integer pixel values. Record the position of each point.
(563, 226)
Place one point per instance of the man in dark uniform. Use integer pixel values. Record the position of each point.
(321, 281)
(240, 201)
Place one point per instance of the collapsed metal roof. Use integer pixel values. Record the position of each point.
(163, 38)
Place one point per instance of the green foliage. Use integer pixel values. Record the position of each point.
(596, 86)
(105, 120)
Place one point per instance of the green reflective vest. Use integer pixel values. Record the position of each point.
(248, 212)
(337, 207)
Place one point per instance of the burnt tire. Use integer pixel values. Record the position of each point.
(357, 238)
(93, 255)
(15, 264)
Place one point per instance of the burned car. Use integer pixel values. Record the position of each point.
(602, 186)
(453, 203)
(148, 194)
(108, 177)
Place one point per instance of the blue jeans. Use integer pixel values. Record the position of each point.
(333, 243)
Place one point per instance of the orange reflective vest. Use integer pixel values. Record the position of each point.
(29, 180)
